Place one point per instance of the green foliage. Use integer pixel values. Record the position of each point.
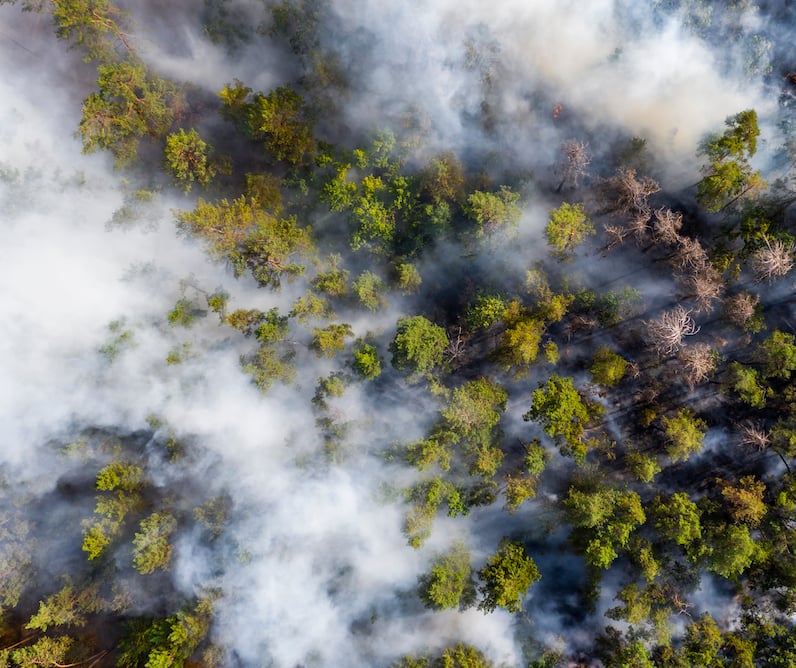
(744, 501)
(739, 140)
(249, 238)
(443, 179)
(183, 313)
(46, 651)
(449, 583)
(425, 499)
(777, 354)
(559, 407)
(608, 368)
(311, 307)
(368, 288)
(606, 518)
(409, 278)
(166, 643)
(729, 176)
(567, 227)
(130, 104)
(151, 546)
(507, 577)
(732, 550)
(485, 310)
(519, 347)
(186, 159)
(330, 340)
(745, 381)
(492, 212)
(280, 120)
(17, 548)
(643, 467)
(120, 340)
(67, 607)
(678, 519)
(122, 483)
(419, 345)
(460, 656)
(218, 303)
(93, 26)
(334, 280)
(684, 434)
(366, 361)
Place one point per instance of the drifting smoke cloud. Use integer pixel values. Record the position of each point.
(317, 571)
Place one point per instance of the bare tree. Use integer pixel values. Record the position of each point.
(699, 361)
(704, 286)
(628, 194)
(666, 226)
(772, 261)
(665, 333)
(689, 255)
(455, 350)
(740, 308)
(616, 235)
(753, 435)
(573, 163)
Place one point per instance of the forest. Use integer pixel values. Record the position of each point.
(398, 335)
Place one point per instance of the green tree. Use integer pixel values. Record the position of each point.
(449, 583)
(678, 519)
(485, 310)
(744, 501)
(684, 434)
(746, 383)
(507, 577)
(494, 211)
(728, 176)
(366, 361)
(777, 354)
(93, 26)
(408, 278)
(460, 656)
(330, 340)
(567, 227)
(130, 104)
(280, 120)
(368, 288)
(605, 519)
(67, 607)
(732, 550)
(151, 546)
(425, 498)
(333, 280)
(519, 346)
(186, 159)
(121, 484)
(419, 345)
(249, 238)
(608, 368)
(561, 410)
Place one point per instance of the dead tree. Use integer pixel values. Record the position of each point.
(704, 286)
(753, 435)
(772, 261)
(699, 362)
(666, 226)
(627, 194)
(689, 255)
(665, 334)
(573, 163)
(616, 235)
(740, 309)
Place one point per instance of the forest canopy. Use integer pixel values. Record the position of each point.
(351, 335)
